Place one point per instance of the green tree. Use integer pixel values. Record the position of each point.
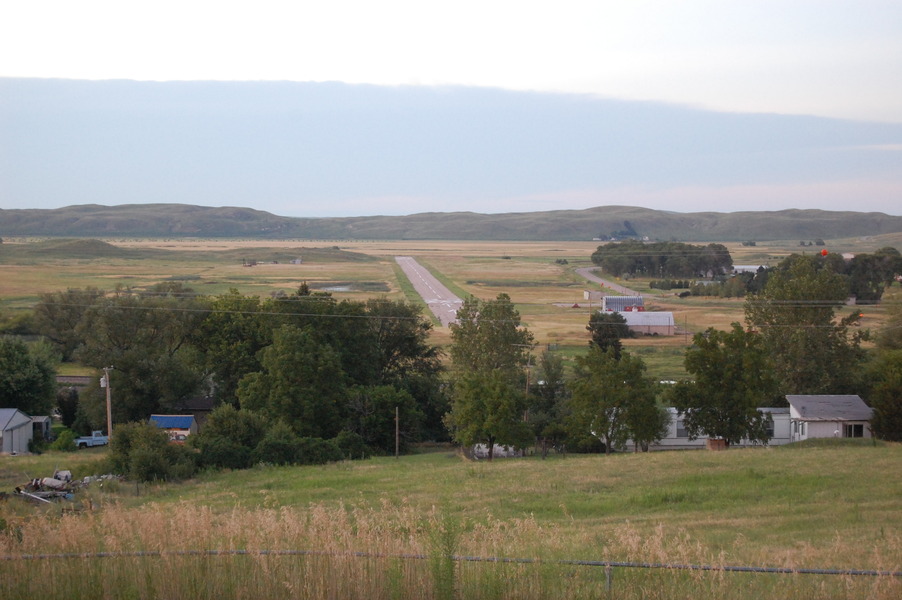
(732, 376)
(27, 377)
(648, 422)
(814, 349)
(885, 395)
(400, 335)
(301, 382)
(67, 404)
(229, 340)
(57, 316)
(145, 337)
(487, 337)
(548, 408)
(607, 329)
(142, 452)
(229, 436)
(487, 408)
(608, 394)
(890, 335)
(371, 414)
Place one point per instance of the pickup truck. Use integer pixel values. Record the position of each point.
(95, 439)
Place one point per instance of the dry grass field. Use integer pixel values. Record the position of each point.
(540, 278)
(397, 528)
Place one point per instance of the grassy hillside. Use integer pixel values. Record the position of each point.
(828, 505)
(177, 220)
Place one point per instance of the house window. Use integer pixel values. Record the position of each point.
(770, 427)
(681, 429)
(853, 430)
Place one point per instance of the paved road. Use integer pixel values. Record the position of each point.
(441, 301)
(588, 273)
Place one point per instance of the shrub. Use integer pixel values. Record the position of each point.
(224, 453)
(280, 446)
(65, 442)
(317, 451)
(139, 451)
(352, 445)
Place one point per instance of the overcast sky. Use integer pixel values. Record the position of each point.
(826, 58)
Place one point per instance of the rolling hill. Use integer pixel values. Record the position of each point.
(180, 220)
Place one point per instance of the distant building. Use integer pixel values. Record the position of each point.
(825, 416)
(649, 322)
(622, 303)
(677, 437)
(179, 427)
(16, 431)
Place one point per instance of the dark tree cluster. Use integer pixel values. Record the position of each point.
(662, 259)
(320, 366)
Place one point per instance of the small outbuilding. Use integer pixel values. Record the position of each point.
(649, 322)
(16, 431)
(179, 427)
(826, 416)
(42, 428)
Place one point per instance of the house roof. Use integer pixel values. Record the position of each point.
(620, 302)
(646, 318)
(830, 408)
(172, 421)
(12, 418)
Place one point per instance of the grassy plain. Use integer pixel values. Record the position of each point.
(820, 506)
(540, 278)
(834, 505)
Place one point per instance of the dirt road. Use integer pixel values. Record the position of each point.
(588, 273)
(441, 301)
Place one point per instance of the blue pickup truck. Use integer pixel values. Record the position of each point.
(95, 439)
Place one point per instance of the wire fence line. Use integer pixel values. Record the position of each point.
(607, 564)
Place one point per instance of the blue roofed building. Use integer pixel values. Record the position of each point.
(179, 427)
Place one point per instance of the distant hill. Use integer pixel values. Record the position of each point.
(179, 220)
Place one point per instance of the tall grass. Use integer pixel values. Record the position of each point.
(389, 528)
(389, 551)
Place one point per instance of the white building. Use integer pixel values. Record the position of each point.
(649, 322)
(677, 437)
(16, 431)
(826, 416)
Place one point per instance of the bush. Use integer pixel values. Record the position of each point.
(280, 446)
(224, 453)
(352, 445)
(317, 451)
(65, 442)
(142, 452)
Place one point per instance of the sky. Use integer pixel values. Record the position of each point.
(823, 58)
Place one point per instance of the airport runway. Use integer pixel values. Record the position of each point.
(441, 301)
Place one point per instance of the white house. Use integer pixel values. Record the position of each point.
(677, 437)
(16, 431)
(828, 416)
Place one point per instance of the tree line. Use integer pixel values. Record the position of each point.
(662, 259)
(304, 377)
(798, 338)
(318, 365)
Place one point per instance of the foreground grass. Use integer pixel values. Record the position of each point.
(822, 506)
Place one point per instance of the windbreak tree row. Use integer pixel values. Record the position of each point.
(320, 365)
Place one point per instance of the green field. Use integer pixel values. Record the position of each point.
(833, 505)
(539, 277)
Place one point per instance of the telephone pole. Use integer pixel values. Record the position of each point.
(105, 382)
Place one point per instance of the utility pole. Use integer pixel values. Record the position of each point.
(105, 383)
(397, 433)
